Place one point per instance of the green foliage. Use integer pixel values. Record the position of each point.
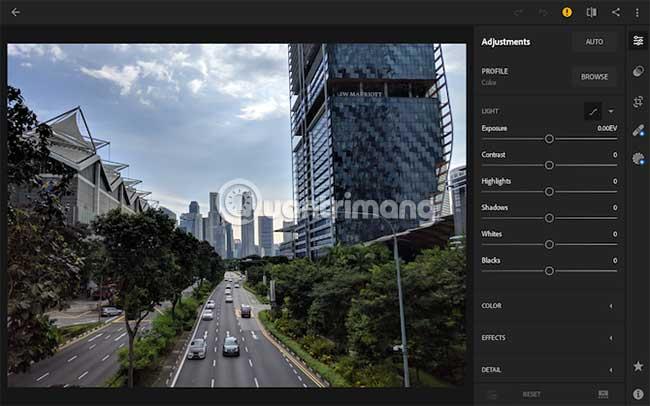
(149, 348)
(343, 311)
(69, 332)
(43, 262)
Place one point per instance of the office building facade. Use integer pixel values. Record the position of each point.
(265, 229)
(368, 123)
(247, 226)
(97, 185)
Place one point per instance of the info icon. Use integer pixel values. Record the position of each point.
(638, 40)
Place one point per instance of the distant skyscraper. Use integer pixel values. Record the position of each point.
(458, 187)
(367, 125)
(216, 226)
(265, 229)
(169, 213)
(229, 241)
(192, 222)
(237, 248)
(287, 235)
(205, 227)
(248, 225)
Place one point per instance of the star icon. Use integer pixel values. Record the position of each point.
(638, 366)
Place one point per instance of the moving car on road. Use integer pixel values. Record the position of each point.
(230, 347)
(110, 311)
(198, 349)
(228, 298)
(245, 311)
(236, 285)
(207, 315)
(209, 304)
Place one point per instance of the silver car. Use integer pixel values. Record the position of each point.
(198, 349)
(209, 304)
(228, 298)
(230, 347)
(207, 315)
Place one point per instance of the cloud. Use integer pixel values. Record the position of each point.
(155, 69)
(36, 50)
(261, 110)
(124, 77)
(195, 85)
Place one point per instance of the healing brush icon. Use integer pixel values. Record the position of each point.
(638, 159)
(639, 131)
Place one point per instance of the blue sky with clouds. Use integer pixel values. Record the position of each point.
(186, 118)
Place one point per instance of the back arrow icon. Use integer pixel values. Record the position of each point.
(15, 12)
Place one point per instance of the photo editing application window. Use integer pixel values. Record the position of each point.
(325, 202)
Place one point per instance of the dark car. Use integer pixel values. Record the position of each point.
(230, 347)
(245, 311)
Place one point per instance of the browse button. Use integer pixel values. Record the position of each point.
(601, 76)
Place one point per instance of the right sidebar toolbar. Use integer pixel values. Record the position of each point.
(560, 200)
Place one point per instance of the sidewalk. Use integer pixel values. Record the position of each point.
(80, 311)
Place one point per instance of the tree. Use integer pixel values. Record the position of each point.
(139, 263)
(43, 265)
(434, 291)
(185, 250)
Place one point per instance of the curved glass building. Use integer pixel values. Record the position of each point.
(368, 126)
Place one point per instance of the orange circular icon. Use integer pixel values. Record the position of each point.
(567, 12)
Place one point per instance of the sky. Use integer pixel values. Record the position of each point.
(187, 118)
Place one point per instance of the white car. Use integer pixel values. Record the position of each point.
(209, 304)
(228, 298)
(236, 285)
(207, 315)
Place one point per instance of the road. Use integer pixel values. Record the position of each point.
(261, 363)
(87, 362)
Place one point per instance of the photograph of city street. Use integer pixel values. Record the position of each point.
(236, 215)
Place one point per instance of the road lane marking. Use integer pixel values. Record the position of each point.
(106, 357)
(120, 337)
(250, 363)
(205, 334)
(300, 378)
(215, 349)
(122, 345)
(212, 383)
(227, 333)
(107, 337)
(304, 385)
(82, 375)
(214, 363)
(257, 384)
(243, 338)
(97, 336)
(216, 339)
(246, 348)
(42, 376)
(73, 358)
(254, 336)
(294, 371)
(92, 346)
(66, 385)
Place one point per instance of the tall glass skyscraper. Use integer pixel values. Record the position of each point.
(265, 229)
(367, 124)
(247, 226)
